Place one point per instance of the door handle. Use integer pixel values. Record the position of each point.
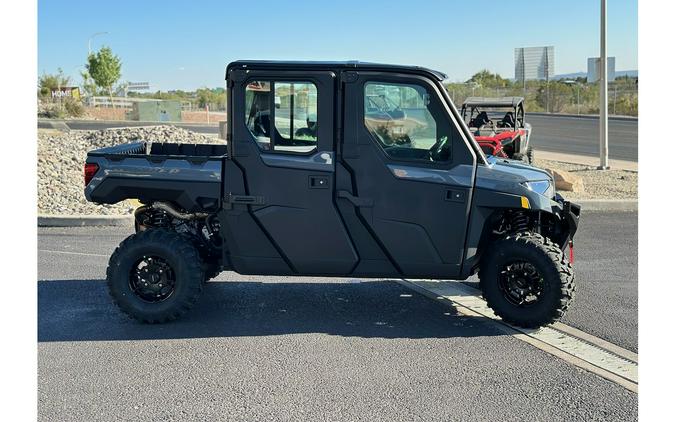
(355, 200)
(455, 195)
(318, 182)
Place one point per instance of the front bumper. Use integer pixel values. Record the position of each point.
(570, 214)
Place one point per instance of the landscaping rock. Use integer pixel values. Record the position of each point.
(61, 158)
(614, 184)
(566, 181)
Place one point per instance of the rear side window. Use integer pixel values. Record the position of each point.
(407, 121)
(282, 116)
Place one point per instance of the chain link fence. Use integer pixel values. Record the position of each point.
(558, 96)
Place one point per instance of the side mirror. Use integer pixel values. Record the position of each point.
(277, 102)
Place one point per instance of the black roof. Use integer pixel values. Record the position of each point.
(335, 65)
(493, 102)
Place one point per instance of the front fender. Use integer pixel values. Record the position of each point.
(557, 218)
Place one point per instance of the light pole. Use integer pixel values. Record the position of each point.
(91, 38)
(604, 133)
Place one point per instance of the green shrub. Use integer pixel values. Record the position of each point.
(74, 108)
(52, 111)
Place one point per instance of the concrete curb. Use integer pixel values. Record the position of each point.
(585, 160)
(45, 220)
(607, 204)
(581, 116)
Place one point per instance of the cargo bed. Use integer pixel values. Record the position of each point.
(188, 175)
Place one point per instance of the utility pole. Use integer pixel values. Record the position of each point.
(604, 153)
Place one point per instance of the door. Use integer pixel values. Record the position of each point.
(283, 149)
(411, 169)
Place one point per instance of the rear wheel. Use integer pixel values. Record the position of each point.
(530, 155)
(527, 280)
(521, 157)
(155, 276)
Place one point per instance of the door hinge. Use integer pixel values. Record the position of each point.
(349, 77)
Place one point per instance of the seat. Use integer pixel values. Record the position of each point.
(480, 120)
(508, 120)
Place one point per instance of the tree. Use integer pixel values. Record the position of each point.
(88, 84)
(205, 97)
(487, 79)
(211, 97)
(105, 69)
(47, 82)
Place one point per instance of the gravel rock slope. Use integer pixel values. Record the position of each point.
(61, 160)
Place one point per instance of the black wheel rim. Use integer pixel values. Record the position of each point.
(152, 279)
(521, 283)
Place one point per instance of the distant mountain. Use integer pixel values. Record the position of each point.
(629, 73)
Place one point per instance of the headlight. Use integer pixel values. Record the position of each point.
(541, 187)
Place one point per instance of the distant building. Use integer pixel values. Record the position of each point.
(534, 63)
(594, 69)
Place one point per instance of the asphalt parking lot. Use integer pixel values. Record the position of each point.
(280, 348)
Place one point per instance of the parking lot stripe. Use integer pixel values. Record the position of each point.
(72, 253)
(574, 346)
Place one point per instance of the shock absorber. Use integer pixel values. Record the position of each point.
(519, 222)
(159, 218)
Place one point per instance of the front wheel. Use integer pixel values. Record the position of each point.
(155, 276)
(526, 280)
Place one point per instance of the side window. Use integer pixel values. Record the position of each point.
(282, 116)
(407, 121)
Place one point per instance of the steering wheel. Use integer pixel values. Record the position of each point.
(259, 125)
(438, 151)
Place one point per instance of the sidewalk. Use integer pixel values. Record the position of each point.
(586, 160)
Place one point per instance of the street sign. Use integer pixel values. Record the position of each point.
(66, 92)
(594, 69)
(138, 86)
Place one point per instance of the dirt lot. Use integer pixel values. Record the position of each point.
(607, 184)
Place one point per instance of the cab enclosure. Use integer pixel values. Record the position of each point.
(343, 169)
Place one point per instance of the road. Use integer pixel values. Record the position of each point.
(573, 135)
(283, 348)
(569, 135)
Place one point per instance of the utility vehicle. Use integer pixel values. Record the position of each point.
(499, 127)
(343, 169)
